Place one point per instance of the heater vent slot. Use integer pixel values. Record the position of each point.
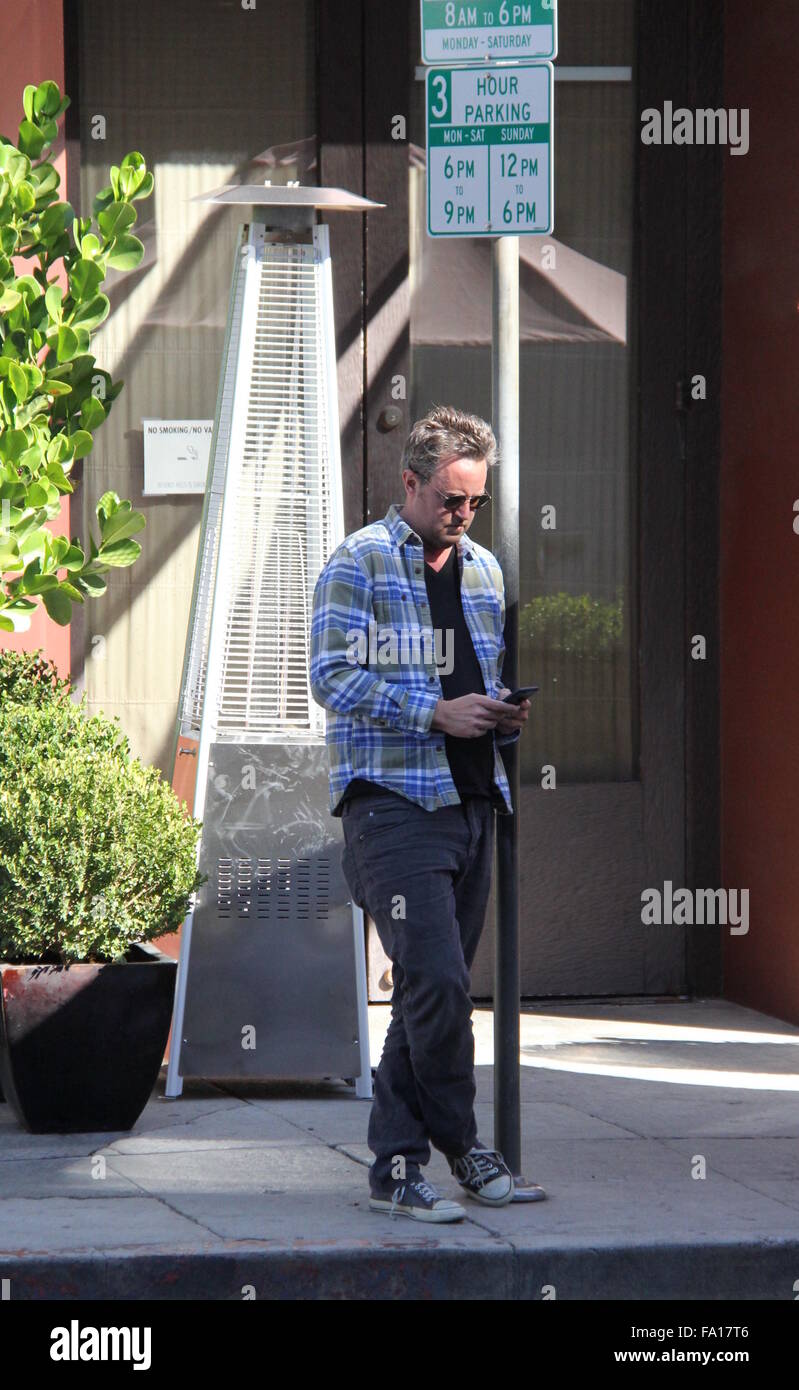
(281, 516)
(279, 889)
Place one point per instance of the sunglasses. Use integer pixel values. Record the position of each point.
(453, 501)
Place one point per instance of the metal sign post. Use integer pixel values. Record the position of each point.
(505, 544)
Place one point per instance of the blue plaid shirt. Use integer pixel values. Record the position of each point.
(374, 663)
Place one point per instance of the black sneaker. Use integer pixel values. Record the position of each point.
(484, 1175)
(418, 1199)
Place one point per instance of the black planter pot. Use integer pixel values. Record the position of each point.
(81, 1045)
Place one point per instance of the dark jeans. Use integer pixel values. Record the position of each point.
(425, 877)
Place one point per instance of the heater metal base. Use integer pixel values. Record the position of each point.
(277, 985)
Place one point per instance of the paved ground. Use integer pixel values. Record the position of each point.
(622, 1105)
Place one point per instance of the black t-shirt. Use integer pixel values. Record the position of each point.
(471, 760)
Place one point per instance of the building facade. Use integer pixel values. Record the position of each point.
(658, 421)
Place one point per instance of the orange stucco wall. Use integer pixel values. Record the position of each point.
(759, 490)
(33, 50)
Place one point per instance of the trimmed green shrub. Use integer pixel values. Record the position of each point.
(574, 623)
(96, 852)
(30, 679)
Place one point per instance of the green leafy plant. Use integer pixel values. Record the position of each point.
(53, 396)
(28, 678)
(573, 623)
(96, 851)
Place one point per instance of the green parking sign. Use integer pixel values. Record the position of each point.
(489, 150)
(504, 29)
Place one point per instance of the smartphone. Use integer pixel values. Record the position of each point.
(516, 696)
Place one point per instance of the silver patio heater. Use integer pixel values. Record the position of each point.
(272, 970)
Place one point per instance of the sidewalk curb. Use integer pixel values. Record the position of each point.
(735, 1271)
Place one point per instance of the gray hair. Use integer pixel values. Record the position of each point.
(444, 434)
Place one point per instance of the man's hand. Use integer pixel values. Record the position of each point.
(515, 715)
(470, 716)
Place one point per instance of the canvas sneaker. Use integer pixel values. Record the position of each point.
(484, 1175)
(418, 1199)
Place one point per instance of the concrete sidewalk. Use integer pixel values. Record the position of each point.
(266, 1185)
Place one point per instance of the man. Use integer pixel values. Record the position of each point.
(412, 728)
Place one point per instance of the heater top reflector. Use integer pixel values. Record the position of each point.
(280, 195)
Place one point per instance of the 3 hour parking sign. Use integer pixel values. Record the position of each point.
(489, 150)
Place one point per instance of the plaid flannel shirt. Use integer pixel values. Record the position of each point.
(374, 661)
